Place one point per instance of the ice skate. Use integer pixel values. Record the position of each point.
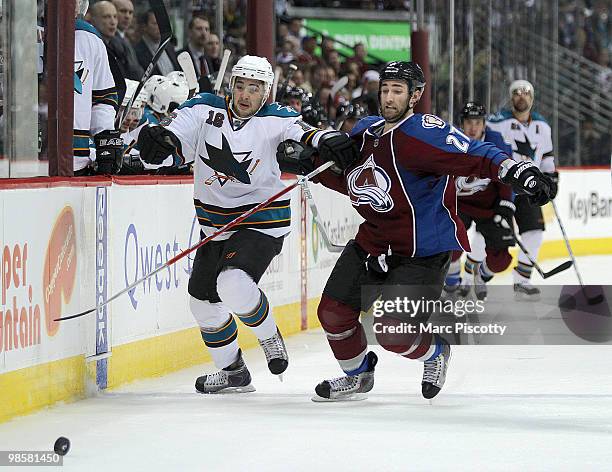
(434, 372)
(480, 285)
(276, 353)
(524, 291)
(349, 387)
(235, 378)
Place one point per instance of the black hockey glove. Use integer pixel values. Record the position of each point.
(526, 178)
(554, 183)
(109, 151)
(156, 143)
(504, 213)
(294, 157)
(339, 148)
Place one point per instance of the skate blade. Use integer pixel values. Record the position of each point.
(231, 390)
(355, 397)
(280, 377)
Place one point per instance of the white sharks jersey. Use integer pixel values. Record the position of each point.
(235, 164)
(95, 96)
(532, 141)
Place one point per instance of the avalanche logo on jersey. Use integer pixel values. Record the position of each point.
(226, 166)
(80, 76)
(369, 184)
(470, 185)
(524, 149)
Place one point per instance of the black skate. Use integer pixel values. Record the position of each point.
(349, 387)
(434, 372)
(276, 353)
(235, 378)
(524, 291)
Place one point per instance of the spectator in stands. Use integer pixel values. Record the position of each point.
(198, 33)
(149, 43)
(369, 91)
(287, 53)
(359, 58)
(104, 17)
(307, 54)
(212, 48)
(295, 28)
(125, 17)
(333, 60)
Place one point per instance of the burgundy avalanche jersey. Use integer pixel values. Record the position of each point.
(402, 184)
(479, 197)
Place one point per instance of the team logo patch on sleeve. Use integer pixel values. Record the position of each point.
(369, 184)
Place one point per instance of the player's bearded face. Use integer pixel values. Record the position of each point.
(521, 100)
(474, 127)
(394, 100)
(247, 96)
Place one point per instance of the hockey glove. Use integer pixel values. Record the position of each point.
(109, 151)
(156, 143)
(294, 157)
(504, 212)
(554, 183)
(339, 148)
(526, 178)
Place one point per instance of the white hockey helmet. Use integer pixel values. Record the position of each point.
(167, 94)
(256, 68)
(522, 86)
(81, 7)
(180, 77)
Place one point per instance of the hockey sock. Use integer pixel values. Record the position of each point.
(485, 272)
(532, 240)
(470, 264)
(218, 329)
(363, 366)
(242, 296)
(522, 272)
(344, 332)
(454, 273)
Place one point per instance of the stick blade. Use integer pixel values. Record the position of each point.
(69, 317)
(560, 268)
(161, 16)
(184, 60)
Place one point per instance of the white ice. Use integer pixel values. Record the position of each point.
(503, 408)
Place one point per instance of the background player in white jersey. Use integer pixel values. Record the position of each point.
(95, 103)
(530, 137)
(232, 143)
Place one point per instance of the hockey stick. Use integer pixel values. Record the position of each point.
(186, 63)
(560, 268)
(590, 300)
(165, 31)
(339, 85)
(221, 73)
(221, 230)
(280, 95)
(331, 247)
(277, 72)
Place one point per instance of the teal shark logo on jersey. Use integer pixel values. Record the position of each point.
(524, 148)
(78, 77)
(224, 163)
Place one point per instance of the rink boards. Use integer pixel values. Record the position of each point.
(67, 244)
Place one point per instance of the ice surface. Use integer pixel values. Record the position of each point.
(503, 408)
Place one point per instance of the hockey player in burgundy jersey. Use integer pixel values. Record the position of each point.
(489, 205)
(402, 186)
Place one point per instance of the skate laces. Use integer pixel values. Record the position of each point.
(219, 378)
(433, 369)
(344, 384)
(273, 348)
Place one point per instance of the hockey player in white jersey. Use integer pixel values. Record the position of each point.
(232, 142)
(95, 139)
(530, 137)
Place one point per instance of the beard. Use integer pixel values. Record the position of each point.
(396, 114)
(521, 105)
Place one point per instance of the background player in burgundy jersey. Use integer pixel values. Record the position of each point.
(401, 185)
(489, 205)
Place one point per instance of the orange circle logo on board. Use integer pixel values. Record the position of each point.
(60, 268)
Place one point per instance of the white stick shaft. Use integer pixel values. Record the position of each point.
(186, 63)
(221, 73)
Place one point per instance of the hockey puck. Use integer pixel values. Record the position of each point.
(567, 302)
(61, 446)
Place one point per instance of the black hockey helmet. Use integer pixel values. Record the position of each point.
(409, 72)
(472, 110)
(351, 110)
(295, 92)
